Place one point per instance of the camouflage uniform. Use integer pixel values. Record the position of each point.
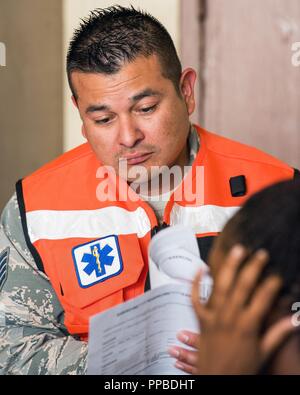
(33, 338)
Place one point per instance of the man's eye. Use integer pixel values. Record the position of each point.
(102, 121)
(147, 110)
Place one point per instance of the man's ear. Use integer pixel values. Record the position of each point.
(83, 132)
(187, 88)
(74, 101)
(76, 105)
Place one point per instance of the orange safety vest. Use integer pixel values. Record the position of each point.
(95, 252)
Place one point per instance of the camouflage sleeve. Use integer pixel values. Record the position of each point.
(33, 338)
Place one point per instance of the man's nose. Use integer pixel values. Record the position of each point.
(129, 134)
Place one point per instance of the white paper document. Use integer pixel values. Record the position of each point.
(133, 338)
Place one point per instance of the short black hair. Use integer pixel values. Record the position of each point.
(113, 36)
(270, 220)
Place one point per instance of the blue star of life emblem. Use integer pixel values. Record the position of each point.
(97, 261)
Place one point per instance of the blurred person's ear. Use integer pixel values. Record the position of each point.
(187, 88)
(74, 101)
(286, 360)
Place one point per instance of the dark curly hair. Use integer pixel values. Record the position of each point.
(270, 220)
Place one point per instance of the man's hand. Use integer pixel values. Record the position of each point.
(230, 340)
(186, 359)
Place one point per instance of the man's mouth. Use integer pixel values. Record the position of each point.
(136, 158)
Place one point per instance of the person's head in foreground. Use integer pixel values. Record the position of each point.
(128, 85)
(250, 322)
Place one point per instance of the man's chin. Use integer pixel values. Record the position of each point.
(138, 174)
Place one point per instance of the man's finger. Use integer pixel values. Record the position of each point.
(186, 356)
(189, 338)
(186, 368)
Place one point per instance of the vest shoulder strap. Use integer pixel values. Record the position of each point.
(32, 249)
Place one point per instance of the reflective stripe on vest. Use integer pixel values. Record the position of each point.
(55, 225)
(203, 219)
(91, 224)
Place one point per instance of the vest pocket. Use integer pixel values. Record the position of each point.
(97, 271)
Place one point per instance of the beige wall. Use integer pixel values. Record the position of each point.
(167, 11)
(30, 88)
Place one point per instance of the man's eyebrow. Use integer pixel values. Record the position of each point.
(135, 98)
(145, 93)
(97, 107)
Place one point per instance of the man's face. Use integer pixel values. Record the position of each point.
(136, 114)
